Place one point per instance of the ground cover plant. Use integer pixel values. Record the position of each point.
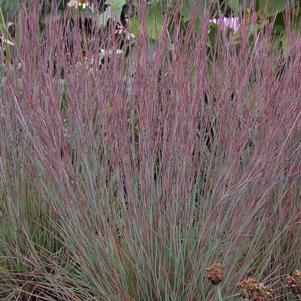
(134, 170)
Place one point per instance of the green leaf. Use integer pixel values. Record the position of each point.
(189, 7)
(213, 32)
(154, 22)
(135, 26)
(283, 41)
(116, 7)
(100, 19)
(272, 7)
(2, 22)
(9, 6)
(187, 10)
(235, 5)
(103, 19)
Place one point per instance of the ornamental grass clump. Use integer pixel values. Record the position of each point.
(126, 182)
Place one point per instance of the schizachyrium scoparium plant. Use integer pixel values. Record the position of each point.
(125, 181)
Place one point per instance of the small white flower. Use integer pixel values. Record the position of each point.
(80, 3)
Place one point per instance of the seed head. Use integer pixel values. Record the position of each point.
(215, 273)
(255, 291)
(294, 282)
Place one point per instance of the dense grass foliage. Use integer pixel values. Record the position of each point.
(126, 181)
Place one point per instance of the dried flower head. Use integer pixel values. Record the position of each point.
(294, 282)
(215, 273)
(255, 291)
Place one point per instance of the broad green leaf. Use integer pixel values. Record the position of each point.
(100, 19)
(235, 5)
(198, 25)
(283, 41)
(296, 16)
(212, 35)
(9, 6)
(2, 22)
(272, 7)
(187, 10)
(189, 7)
(135, 26)
(103, 19)
(116, 7)
(154, 22)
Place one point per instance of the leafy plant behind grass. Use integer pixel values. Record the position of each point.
(127, 180)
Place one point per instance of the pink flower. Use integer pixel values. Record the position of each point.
(225, 23)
